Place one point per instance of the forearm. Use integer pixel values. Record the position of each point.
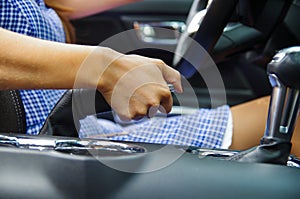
(29, 63)
(131, 84)
(82, 8)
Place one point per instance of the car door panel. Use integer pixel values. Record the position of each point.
(97, 28)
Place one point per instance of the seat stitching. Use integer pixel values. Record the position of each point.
(18, 111)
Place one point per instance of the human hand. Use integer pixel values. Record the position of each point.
(136, 86)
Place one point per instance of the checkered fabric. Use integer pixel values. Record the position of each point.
(33, 18)
(205, 128)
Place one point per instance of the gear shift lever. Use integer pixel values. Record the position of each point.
(284, 75)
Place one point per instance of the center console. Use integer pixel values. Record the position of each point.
(51, 167)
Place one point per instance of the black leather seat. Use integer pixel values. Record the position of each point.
(12, 117)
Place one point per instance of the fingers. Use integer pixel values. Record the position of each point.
(166, 102)
(141, 103)
(137, 86)
(171, 76)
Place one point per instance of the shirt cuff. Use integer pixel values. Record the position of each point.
(227, 139)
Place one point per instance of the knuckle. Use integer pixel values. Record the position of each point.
(138, 114)
(153, 102)
(137, 110)
(175, 78)
(165, 93)
(159, 63)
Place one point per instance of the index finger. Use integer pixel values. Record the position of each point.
(173, 77)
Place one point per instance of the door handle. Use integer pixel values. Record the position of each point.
(163, 33)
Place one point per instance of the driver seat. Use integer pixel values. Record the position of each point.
(12, 117)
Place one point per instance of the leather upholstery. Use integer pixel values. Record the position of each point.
(12, 117)
(72, 107)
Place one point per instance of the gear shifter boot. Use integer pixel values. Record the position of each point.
(271, 150)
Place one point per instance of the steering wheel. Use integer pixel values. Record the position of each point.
(205, 24)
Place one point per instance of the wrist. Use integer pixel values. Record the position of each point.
(90, 65)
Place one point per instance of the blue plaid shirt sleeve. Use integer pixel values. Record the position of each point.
(33, 18)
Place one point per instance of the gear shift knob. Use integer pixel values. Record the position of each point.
(286, 66)
(284, 75)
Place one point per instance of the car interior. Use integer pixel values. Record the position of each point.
(245, 40)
